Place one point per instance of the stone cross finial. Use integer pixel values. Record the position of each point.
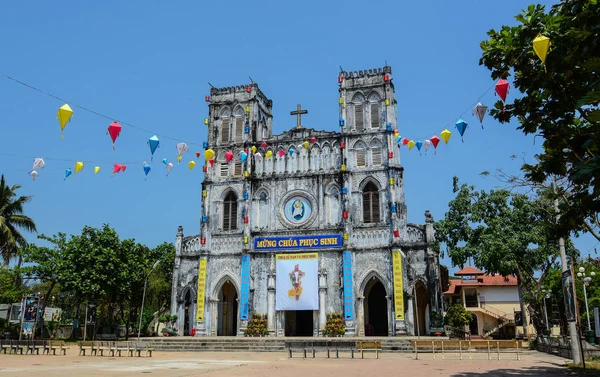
(298, 113)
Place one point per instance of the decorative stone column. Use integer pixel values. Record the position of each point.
(409, 320)
(214, 304)
(271, 297)
(322, 296)
(361, 315)
(175, 280)
(390, 316)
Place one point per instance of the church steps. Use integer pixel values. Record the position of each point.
(242, 344)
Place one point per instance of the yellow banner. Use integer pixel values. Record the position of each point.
(297, 256)
(201, 289)
(398, 288)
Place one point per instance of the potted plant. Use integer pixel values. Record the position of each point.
(334, 325)
(257, 326)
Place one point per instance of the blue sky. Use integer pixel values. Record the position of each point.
(148, 63)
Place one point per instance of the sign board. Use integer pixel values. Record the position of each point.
(201, 289)
(298, 242)
(245, 288)
(297, 281)
(348, 296)
(398, 285)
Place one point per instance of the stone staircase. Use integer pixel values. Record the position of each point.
(268, 344)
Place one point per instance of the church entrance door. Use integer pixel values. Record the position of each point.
(375, 309)
(299, 323)
(228, 308)
(186, 316)
(420, 310)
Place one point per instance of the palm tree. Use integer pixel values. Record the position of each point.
(11, 220)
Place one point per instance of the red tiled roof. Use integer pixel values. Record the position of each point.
(483, 281)
(469, 271)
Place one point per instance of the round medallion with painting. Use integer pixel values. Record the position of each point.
(297, 210)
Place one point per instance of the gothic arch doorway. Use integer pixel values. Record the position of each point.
(474, 325)
(420, 309)
(187, 314)
(375, 309)
(227, 310)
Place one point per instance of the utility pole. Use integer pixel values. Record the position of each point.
(566, 271)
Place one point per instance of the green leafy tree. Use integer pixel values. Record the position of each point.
(12, 220)
(98, 267)
(458, 316)
(9, 292)
(502, 233)
(558, 101)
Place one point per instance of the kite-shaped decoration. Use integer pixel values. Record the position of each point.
(165, 161)
(264, 144)
(292, 150)
(305, 145)
(208, 154)
(34, 174)
(461, 126)
(123, 168)
(541, 44)
(253, 149)
(79, 166)
(313, 139)
(96, 169)
(445, 135)
(419, 145)
(147, 169)
(191, 164)
(502, 89)
(281, 153)
(153, 142)
(181, 148)
(398, 138)
(243, 156)
(179, 159)
(426, 145)
(64, 116)
(114, 130)
(228, 156)
(169, 167)
(434, 141)
(197, 154)
(211, 162)
(404, 141)
(116, 168)
(269, 154)
(68, 172)
(480, 111)
(411, 144)
(38, 163)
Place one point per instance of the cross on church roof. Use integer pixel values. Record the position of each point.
(298, 114)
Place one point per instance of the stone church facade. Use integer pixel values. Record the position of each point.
(338, 193)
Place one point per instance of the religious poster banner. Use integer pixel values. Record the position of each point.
(398, 287)
(201, 290)
(245, 289)
(298, 242)
(348, 297)
(297, 281)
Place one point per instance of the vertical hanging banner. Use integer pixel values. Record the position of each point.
(297, 281)
(201, 289)
(245, 289)
(398, 287)
(348, 296)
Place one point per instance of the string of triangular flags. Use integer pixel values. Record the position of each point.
(541, 45)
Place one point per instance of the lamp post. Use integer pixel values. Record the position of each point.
(586, 281)
(144, 297)
(547, 294)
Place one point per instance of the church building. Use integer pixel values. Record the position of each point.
(296, 226)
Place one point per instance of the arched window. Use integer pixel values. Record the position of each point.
(376, 153)
(262, 211)
(230, 212)
(360, 155)
(333, 200)
(370, 203)
(359, 112)
(374, 111)
(238, 125)
(224, 131)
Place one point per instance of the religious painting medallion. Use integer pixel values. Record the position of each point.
(297, 210)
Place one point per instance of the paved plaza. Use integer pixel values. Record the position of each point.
(178, 364)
